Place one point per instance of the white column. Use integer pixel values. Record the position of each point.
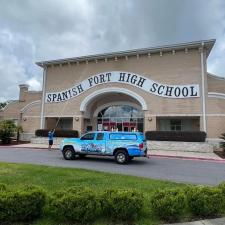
(42, 124)
(203, 89)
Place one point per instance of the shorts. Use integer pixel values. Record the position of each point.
(50, 142)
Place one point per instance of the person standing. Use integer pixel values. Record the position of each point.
(50, 138)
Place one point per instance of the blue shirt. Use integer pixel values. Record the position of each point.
(50, 136)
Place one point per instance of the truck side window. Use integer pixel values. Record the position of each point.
(100, 136)
(89, 136)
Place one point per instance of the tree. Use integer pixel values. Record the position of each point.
(7, 130)
(2, 105)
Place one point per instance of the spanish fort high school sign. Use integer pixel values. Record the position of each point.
(152, 87)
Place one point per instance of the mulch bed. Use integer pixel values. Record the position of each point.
(220, 153)
(15, 142)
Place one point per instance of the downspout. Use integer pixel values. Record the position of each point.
(203, 88)
(42, 124)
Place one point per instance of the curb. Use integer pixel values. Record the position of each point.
(188, 158)
(149, 156)
(43, 148)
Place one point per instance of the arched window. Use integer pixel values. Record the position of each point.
(121, 118)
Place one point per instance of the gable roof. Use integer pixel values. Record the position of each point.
(208, 45)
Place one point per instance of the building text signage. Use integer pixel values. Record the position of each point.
(152, 87)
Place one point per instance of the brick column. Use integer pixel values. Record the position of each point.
(78, 124)
(149, 122)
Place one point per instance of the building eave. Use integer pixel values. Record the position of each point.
(208, 45)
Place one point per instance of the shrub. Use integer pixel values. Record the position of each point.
(222, 188)
(168, 204)
(122, 204)
(71, 205)
(21, 205)
(7, 129)
(204, 201)
(58, 133)
(222, 144)
(188, 136)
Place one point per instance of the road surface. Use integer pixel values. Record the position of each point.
(178, 170)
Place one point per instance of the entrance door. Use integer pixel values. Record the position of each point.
(121, 117)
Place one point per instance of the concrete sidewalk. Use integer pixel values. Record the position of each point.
(219, 221)
(157, 153)
(187, 155)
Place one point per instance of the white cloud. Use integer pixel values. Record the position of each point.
(34, 84)
(49, 29)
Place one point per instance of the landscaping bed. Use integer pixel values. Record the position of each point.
(220, 153)
(14, 142)
(100, 198)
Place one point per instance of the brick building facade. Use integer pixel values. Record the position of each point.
(161, 88)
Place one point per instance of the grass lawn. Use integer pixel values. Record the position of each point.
(55, 178)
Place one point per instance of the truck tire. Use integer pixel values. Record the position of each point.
(121, 157)
(69, 153)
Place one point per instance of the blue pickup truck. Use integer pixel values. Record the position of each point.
(124, 146)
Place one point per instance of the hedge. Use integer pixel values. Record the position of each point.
(122, 204)
(222, 188)
(205, 201)
(187, 136)
(24, 205)
(168, 204)
(82, 205)
(75, 205)
(58, 133)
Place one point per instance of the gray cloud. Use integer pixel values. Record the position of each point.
(48, 29)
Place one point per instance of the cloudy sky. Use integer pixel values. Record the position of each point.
(33, 31)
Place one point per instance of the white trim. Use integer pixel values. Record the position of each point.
(64, 116)
(147, 115)
(174, 114)
(87, 100)
(29, 105)
(42, 123)
(95, 114)
(164, 48)
(203, 88)
(216, 114)
(27, 133)
(216, 95)
(9, 103)
(216, 77)
(31, 117)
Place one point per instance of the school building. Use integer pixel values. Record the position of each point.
(159, 88)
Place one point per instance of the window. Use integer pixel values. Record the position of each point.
(120, 118)
(100, 136)
(120, 136)
(175, 125)
(89, 136)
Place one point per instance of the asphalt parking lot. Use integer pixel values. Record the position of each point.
(179, 170)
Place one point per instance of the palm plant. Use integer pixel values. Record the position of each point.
(7, 130)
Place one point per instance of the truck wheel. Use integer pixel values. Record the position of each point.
(121, 157)
(69, 153)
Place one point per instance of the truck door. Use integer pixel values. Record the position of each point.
(87, 143)
(100, 143)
